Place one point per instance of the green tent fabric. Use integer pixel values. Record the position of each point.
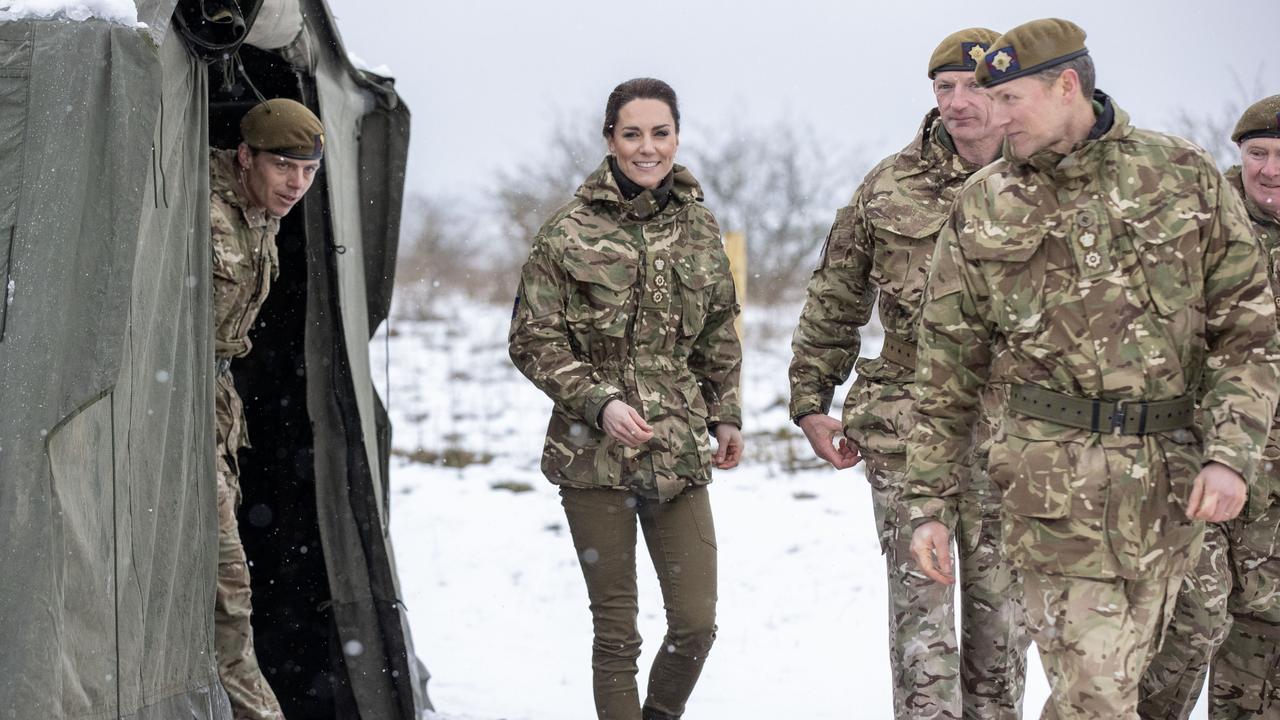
(107, 490)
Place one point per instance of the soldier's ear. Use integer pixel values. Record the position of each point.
(244, 156)
(1070, 80)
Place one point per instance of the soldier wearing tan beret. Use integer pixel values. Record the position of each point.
(251, 188)
(878, 253)
(1109, 277)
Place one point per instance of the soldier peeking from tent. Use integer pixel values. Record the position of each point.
(251, 188)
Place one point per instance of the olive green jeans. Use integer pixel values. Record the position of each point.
(682, 544)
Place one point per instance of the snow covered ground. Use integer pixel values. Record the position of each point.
(495, 597)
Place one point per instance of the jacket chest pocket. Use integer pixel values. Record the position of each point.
(694, 295)
(903, 251)
(1014, 271)
(1167, 245)
(601, 291)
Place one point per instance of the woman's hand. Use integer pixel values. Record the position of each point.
(622, 423)
(730, 450)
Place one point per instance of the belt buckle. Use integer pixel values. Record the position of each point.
(1118, 416)
(1121, 414)
(222, 365)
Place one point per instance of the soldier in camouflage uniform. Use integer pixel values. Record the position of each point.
(1229, 607)
(251, 188)
(624, 318)
(880, 246)
(1108, 275)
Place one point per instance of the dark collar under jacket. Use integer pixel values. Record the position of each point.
(1105, 111)
(632, 192)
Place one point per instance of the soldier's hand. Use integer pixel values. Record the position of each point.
(624, 424)
(729, 452)
(931, 547)
(821, 430)
(1219, 494)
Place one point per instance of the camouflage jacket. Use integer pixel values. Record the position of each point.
(244, 256)
(622, 300)
(244, 264)
(880, 247)
(1125, 269)
(1266, 228)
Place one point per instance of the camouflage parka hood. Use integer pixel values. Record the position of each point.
(602, 187)
(622, 299)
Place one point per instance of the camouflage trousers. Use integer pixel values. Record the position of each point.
(984, 678)
(250, 695)
(1228, 610)
(1095, 638)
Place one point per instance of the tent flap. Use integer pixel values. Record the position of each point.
(107, 500)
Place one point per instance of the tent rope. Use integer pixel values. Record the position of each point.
(245, 74)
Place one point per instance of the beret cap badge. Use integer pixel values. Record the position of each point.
(1003, 60)
(1031, 48)
(961, 51)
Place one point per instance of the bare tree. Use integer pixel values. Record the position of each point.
(434, 257)
(524, 197)
(1211, 129)
(780, 187)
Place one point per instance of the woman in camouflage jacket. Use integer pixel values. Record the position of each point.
(624, 318)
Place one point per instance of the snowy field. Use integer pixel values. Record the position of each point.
(496, 600)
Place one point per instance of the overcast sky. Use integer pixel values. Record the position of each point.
(486, 80)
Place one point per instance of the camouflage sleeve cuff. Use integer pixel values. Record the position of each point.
(922, 509)
(1234, 460)
(597, 398)
(801, 406)
(725, 414)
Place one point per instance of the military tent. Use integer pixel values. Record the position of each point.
(107, 489)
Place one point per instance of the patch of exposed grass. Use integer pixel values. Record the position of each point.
(515, 486)
(452, 457)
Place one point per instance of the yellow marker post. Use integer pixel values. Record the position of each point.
(735, 246)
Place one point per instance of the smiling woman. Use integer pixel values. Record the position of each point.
(642, 127)
(624, 318)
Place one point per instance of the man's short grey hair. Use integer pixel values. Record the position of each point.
(1083, 66)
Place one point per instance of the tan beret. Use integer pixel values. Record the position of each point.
(284, 127)
(961, 50)
(1030, 48)
(1262, 119)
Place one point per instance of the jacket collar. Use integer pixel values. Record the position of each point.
(1111, 123)
(1235, 176)
(224, 181)
(931, 149)
(601, 187)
